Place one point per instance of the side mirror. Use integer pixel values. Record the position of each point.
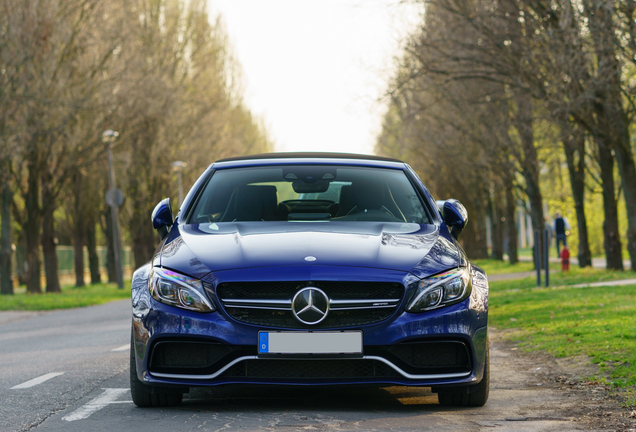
(162, 218)
(455, 216)
(440, 205)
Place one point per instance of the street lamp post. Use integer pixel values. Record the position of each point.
(108, 137)
(178, 166)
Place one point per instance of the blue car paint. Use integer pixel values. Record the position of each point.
(162, 214)
(422, 250)
(363, 251)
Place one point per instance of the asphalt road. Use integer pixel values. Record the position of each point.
(77, 343)
(68, 371)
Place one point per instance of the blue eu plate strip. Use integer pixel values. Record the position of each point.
(263, 342)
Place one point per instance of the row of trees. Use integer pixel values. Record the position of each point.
(490, 93)
(157, 71)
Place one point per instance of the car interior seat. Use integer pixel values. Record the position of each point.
(346, 201)
(252, 203)
(368, 197)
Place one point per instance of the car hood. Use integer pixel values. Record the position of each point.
(203, 248)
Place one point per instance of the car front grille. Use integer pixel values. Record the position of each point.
(352, 304)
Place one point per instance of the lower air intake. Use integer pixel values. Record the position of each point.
(431, 355)
(185, 357)
(311, 369)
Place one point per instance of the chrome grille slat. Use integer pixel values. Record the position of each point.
(338, 302)
(256, 307)
(350, 303)
(333, 304)
(257, 301)
(363, 307)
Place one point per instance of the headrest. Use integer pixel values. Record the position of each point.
(254, 203)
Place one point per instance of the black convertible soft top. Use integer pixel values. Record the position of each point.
(309, 155)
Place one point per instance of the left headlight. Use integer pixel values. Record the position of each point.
(175, 289)
(441, 290)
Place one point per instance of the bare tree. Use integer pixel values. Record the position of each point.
(558, 63)
(155, 70)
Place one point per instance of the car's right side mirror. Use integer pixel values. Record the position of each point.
(455, 215)
(162, 218)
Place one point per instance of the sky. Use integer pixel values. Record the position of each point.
(314, 70)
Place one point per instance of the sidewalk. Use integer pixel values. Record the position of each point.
(8, 317)
(606, 283)
(521, 275)
(596, 262)
(510, 276)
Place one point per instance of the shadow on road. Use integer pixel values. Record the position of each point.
(263, 399)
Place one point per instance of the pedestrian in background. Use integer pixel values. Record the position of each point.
(561, 230)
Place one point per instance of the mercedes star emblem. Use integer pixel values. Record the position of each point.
(310, 305)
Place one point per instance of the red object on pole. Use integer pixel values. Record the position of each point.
(565, 259)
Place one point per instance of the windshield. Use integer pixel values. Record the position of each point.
(301, 193)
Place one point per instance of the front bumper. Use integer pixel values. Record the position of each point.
(462, 325)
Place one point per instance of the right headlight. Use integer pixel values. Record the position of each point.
(178, 290)
(441, 290)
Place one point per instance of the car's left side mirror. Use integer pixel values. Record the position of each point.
(455, 216)
(162, 218)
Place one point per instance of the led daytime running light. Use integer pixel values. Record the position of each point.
(441, 290)
(187, 293)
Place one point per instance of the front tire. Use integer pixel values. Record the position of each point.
(468, 396)
(144, 395)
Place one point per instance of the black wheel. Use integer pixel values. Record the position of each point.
(148, 396)
(468, 396)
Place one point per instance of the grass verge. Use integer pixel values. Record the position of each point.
(70, 297)
(493, 267)
(598, 322)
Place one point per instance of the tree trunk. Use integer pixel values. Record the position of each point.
(79, 230)
(627, 169)
(511, 227)
(91, 245)
(473, 237)
(48, 234)
(481, 244)
(496, 227)
(530, 166)
(78, 246)
(6, 284)
(48, 250)
(613, 121)
(110, 254)
(143, 239)
(20, 259)
(50, 255)
(32, 228)
(143, 191)
(612, 241)
(574, 145)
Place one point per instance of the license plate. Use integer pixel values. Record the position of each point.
(310, 342)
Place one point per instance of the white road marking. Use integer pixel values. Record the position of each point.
(38, 380)
(122, 348)
(106, 398)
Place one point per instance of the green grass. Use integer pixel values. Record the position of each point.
(499, 267)
(525, 252)
(597, 322)
(70, 297)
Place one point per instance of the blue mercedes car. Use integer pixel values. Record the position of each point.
(309, 269)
